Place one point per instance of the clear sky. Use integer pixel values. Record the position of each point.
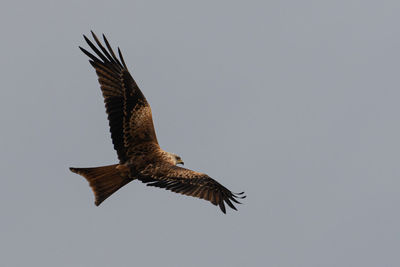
(294, 102)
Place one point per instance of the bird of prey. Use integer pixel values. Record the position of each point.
(134, 139)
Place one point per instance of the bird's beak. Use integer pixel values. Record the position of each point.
(180, 162)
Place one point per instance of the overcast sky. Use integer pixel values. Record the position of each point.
(294, 102)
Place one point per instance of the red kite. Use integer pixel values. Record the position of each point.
(134, 138)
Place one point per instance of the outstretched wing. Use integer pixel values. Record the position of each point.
(190, 183)
(129, 114)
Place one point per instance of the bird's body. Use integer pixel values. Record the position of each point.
(134, 139)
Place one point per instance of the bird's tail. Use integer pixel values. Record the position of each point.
(104, 180)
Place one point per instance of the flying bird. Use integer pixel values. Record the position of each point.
(134, 139)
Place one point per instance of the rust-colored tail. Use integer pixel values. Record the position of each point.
(104, 180)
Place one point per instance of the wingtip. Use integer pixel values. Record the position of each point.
(94, 35)
(105, 38)
(222, 206)
(239, 195)
(122, 58)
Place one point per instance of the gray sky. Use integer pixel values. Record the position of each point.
(294, 102)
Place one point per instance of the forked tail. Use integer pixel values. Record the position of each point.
(104, 180)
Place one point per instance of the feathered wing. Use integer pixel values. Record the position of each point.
(190, 183)
(129, 113)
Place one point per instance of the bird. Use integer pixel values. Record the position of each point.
(134, 139)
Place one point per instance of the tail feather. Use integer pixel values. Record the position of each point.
(104, 180)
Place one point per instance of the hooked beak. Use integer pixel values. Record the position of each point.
(180, 162)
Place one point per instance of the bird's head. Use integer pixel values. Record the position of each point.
(176, 159)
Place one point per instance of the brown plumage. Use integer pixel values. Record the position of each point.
(134, 139)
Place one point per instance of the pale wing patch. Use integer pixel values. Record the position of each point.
(140, 117)
(139, 129)
(185, 173)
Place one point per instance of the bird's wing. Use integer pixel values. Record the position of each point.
(190, 183)
(129, 114)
